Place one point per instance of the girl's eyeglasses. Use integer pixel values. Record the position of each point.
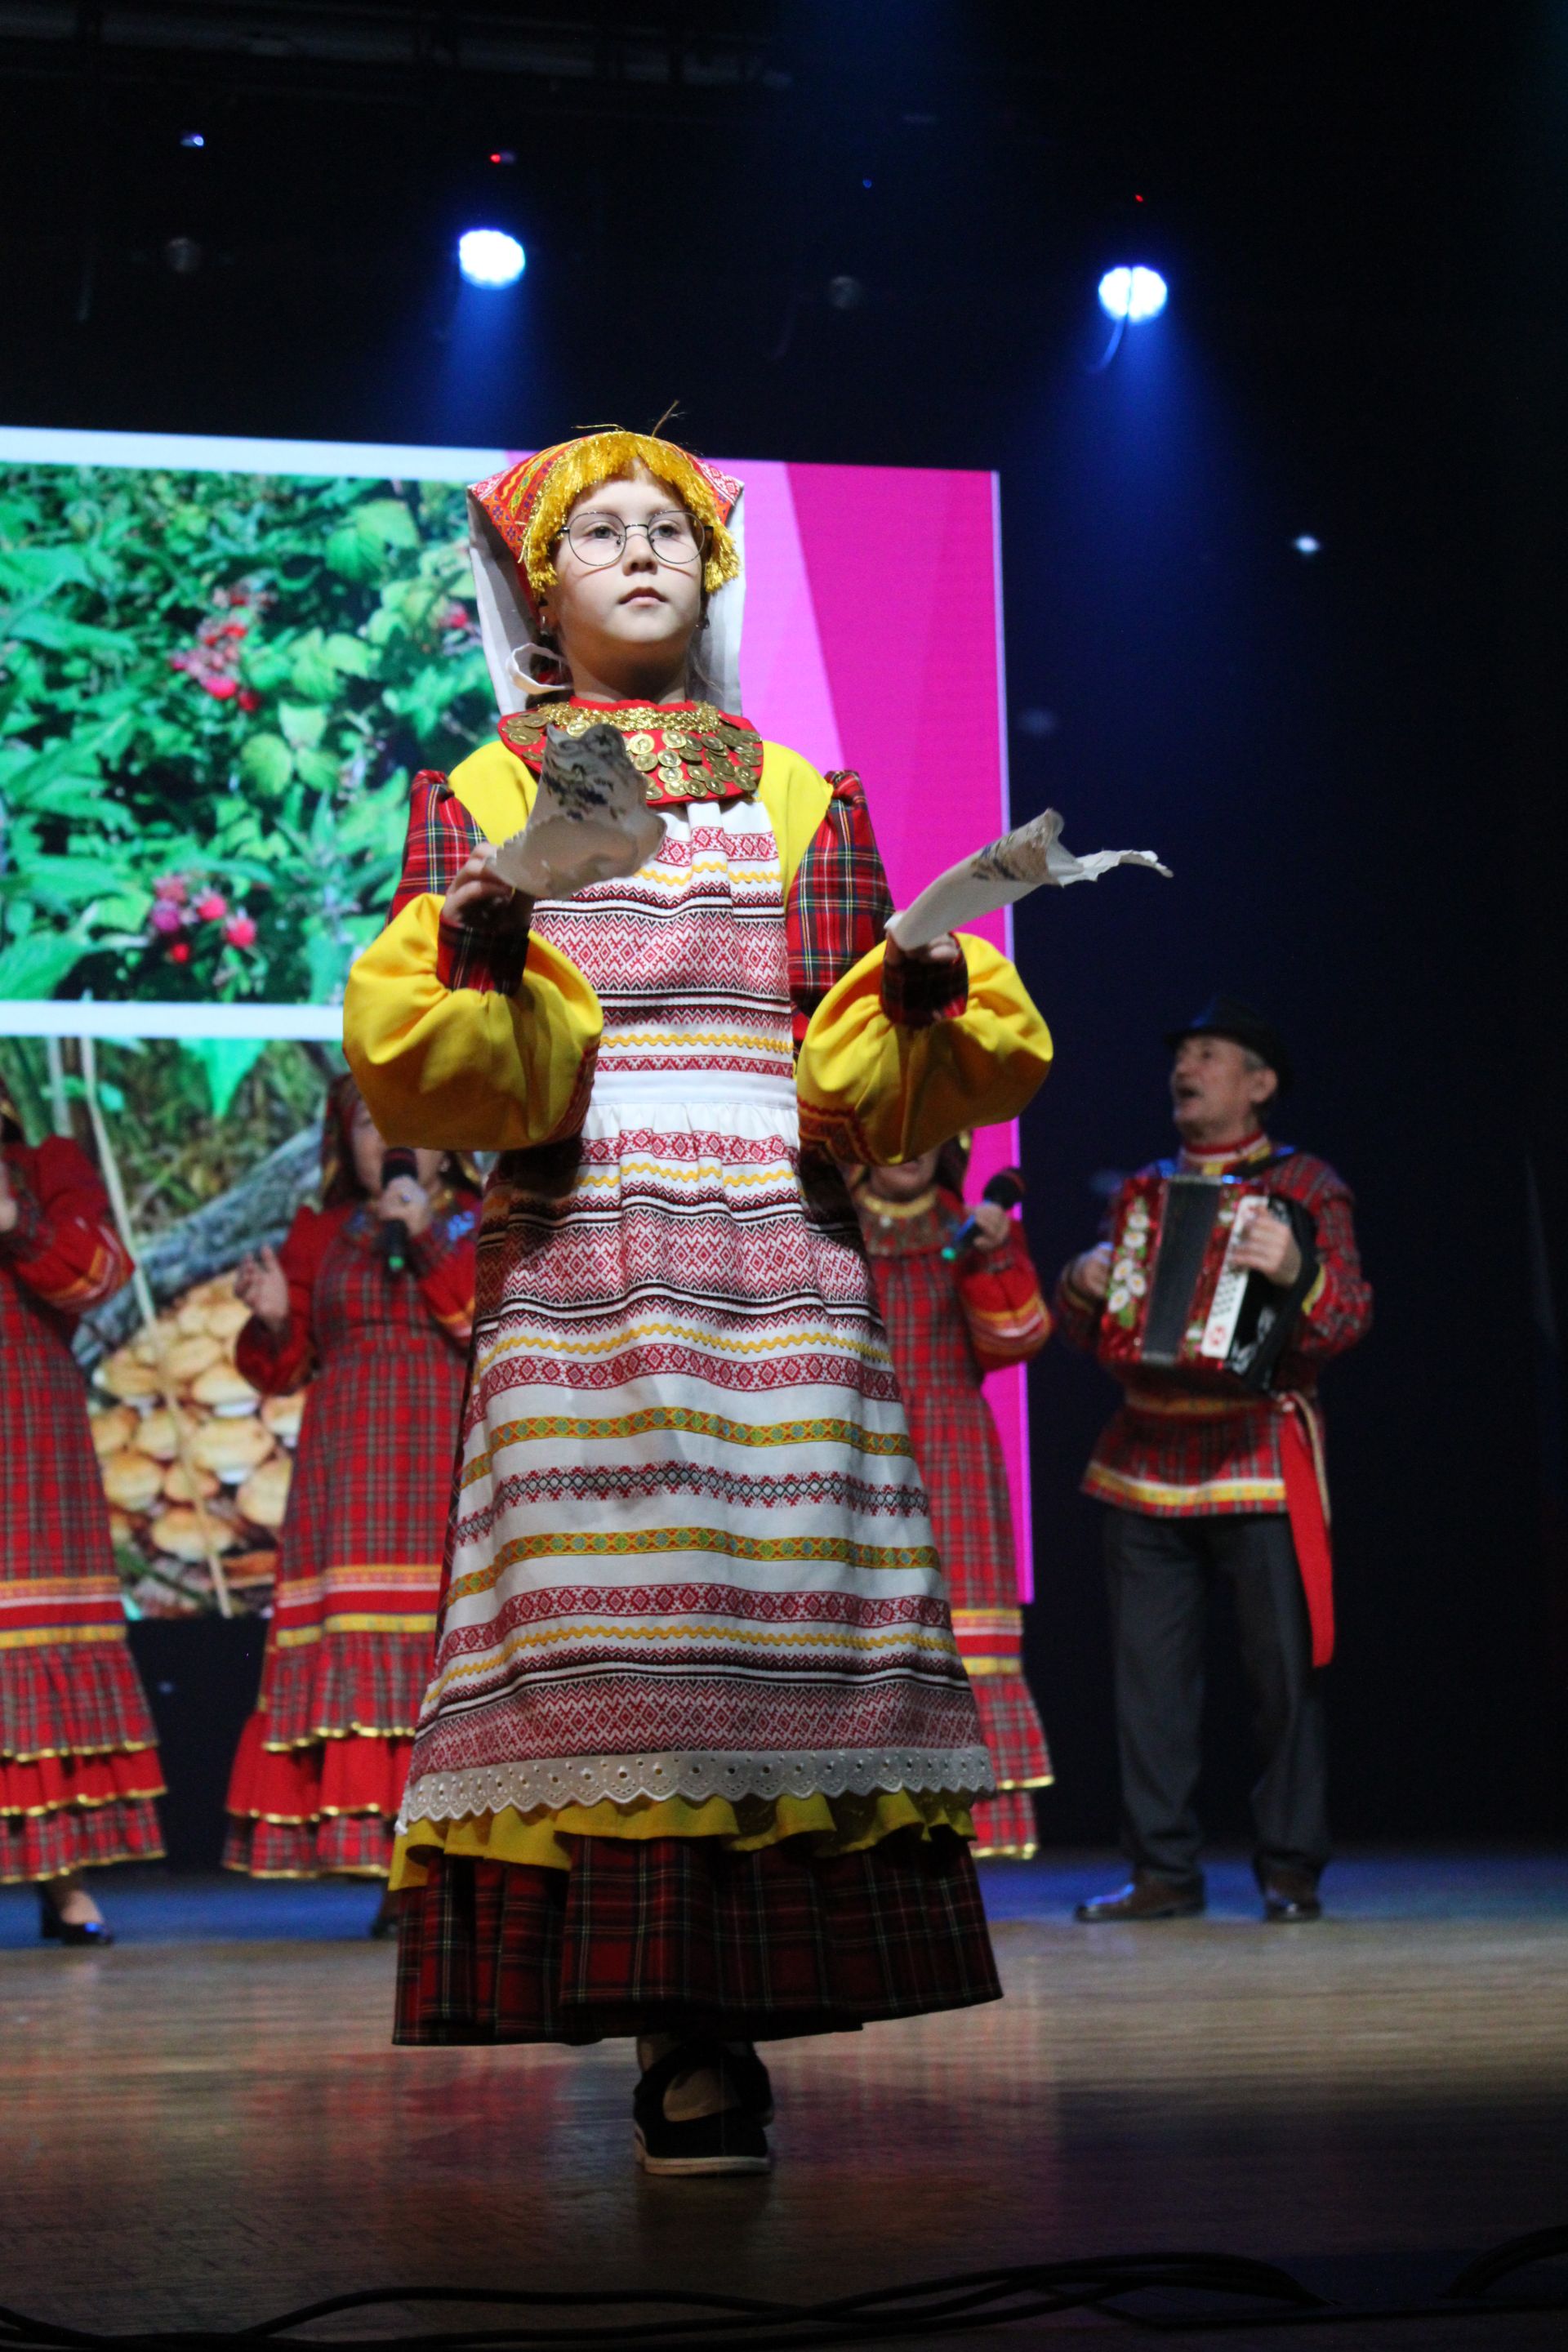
(598, 541)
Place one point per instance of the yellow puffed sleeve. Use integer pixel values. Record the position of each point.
(875, 1090)
(464, 1069)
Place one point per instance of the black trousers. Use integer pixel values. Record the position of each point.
(1161, 1574)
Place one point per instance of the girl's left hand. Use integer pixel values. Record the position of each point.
(408, 1203)
(942, 951)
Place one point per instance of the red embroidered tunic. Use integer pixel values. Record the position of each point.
(1186, 1445)
(319, 1776)
(79, 1764)
(949, 1325)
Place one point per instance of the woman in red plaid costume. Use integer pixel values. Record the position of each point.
(697, 1759)
(949, 1324)
(319, 1777)
(79, 1765)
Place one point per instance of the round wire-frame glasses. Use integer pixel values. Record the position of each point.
(599, 538)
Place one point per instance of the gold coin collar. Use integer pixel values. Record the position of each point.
(690, 752)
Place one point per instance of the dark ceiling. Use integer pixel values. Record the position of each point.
(877, 212)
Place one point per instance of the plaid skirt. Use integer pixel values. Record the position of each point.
(317, 1778)
(78, 1762)
(325, 1810)
(1006, 1829)
(60, 1813)
(678, 1935)
(1004, 1824)
(960, 1455)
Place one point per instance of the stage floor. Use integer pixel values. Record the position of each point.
(206, 2124)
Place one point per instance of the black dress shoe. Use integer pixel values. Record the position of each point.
(1144, 1898)
(1290, 1895)
(53, 1929)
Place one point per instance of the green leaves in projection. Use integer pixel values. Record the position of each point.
(357, 549)
(214, 689)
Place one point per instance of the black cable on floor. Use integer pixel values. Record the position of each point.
(1239, 2292)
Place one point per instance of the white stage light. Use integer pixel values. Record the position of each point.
(1306, 544)
(488, 256)
(1133, 294)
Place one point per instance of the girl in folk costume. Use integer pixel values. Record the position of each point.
(79, 1766)
(374, 1293)
(697, 1760)
(949, 1323)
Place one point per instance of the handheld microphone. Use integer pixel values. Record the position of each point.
(1007, 1189)
(391, 1242)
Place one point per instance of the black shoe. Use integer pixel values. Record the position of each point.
(753, 2084)
(95, 1933)
(1144, 1898)
(1290, 1894)
(734, 2141)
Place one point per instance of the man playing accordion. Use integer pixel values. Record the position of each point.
(1223, 1279)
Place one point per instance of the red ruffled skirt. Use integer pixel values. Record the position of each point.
(1004, 1824)
(59, 1814)
(327, 1808)
(78, 1769)
(78, 1761)
(318, 1779)
(679, 1934)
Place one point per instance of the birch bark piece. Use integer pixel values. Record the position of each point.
(1032, 858)
(590, 820)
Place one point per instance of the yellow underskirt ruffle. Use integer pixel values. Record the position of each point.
(835, 1825)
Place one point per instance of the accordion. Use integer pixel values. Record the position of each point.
(1178, 1301)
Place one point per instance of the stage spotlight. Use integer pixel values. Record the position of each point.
(1133, 294)
(192, 139)
(1307, 544)
(488, 256)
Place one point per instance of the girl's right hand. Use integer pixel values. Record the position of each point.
(481, 901)
(263, 1286)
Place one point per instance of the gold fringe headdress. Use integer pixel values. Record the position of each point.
(516, 518)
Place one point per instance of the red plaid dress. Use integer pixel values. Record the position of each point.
(319, 1776)
(684, 1933)
(949, 1325)
(79, 1766)
(1186, 1445)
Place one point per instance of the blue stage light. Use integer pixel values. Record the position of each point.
(1307, 544)
(488, 256)
(1133, 294)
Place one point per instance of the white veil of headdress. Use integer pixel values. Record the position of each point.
(522, 668)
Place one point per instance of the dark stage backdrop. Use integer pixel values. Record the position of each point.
(1353, 760)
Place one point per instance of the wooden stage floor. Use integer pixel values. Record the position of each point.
(208, 2124)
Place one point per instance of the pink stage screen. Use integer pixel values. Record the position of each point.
(873, 641)
(232, 653)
